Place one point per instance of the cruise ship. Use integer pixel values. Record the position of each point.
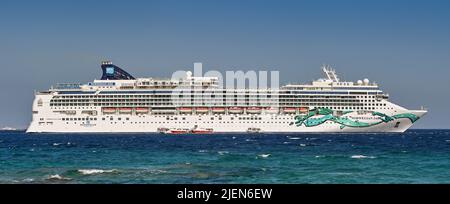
(121, 103)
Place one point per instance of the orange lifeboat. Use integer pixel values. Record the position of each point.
(235, 110)
(289, 110)
(142, 110)
(109, 110)
(125, 110)
(185, 110)
(218, 110)
(304, 109)
(254, 110)
(201, 110)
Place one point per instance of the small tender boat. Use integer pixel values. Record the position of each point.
(202, 131)
(253, 130)
(178, 131)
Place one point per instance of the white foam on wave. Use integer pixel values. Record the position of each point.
(318, 156)
(28, 180)
(295, 138)
(222, 152)
(362, 157)
(202, 151)
(56, 144)
(264, 155)
(302, 145)
(95, 171)
(57, 177)
(249, 140)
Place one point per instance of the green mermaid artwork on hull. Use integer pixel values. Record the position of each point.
(344, 120)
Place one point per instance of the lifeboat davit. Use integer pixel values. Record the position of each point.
(235, 110)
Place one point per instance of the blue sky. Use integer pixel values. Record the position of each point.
(402, 45)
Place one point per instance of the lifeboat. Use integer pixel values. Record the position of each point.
(185, 110)
(218, 110)
(235, 110)
(178, 131)
(254, 110)
(142, 110)
(271, 110)
(109, 110)
(201, 110)
(304, 109)
(125, 110)
(289, 110)
(202, 131)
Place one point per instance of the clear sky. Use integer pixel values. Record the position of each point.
(403, 45)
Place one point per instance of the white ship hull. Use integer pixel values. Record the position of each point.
(151, 124)
(119, 103)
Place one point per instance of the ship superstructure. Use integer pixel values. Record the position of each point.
(119, 102)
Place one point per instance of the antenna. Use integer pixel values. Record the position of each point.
(330, 72)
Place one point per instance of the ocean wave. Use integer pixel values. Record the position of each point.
(222, 152)
(302, 145)
(202, 151)
(58, 177)
(362, 157)
(96, 171)
(264, 155)
(249, 140)
(57, 144)
(28, 180)
(295, 138)
(319, 156)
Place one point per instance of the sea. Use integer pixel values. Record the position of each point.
(416, 156)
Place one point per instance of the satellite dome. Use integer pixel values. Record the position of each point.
(366, 81)
(188, 74)
(359, 82)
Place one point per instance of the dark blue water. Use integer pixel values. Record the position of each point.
(417, 156)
